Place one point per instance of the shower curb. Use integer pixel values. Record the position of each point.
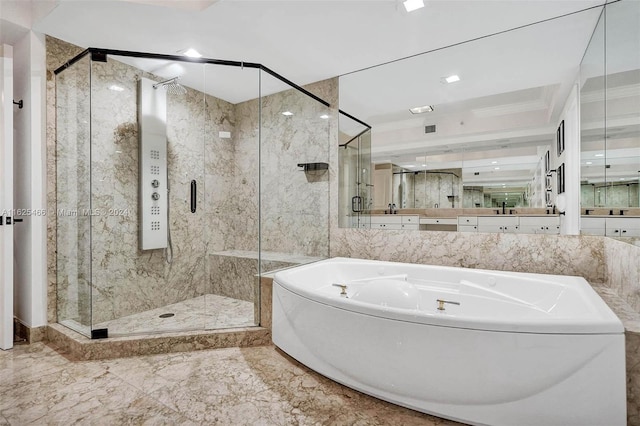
(77, 347)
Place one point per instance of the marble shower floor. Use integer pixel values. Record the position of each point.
(233, 386)
(204, 312)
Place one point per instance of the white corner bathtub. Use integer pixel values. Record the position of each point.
(519, 349)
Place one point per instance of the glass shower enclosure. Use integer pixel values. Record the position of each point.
(177, 184)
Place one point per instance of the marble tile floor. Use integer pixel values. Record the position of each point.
(232, 386)
(204, 312)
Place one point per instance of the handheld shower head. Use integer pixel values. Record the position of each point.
(171, 86)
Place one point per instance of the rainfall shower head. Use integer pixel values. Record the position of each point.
(171, 86)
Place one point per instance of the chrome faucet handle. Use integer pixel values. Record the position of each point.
(343, 288)
(441, 303)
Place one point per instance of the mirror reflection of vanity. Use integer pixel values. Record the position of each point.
(488, 148)
(610, 125)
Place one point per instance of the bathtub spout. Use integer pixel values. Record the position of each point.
(441, 303)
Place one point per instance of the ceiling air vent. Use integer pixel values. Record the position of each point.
(430, 129)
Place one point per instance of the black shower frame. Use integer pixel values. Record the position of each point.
(100, 55)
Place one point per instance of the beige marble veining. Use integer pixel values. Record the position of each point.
(210, 311)
(239, 386)
(632, 346)
(547, 254)
(78, 347)
(623, 270)
(233, 273)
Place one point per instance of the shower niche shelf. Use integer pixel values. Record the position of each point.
(314, 167)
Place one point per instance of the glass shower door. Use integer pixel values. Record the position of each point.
(147, 196)
(73, 196)
(231, 174)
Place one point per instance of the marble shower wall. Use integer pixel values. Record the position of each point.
(294, 206)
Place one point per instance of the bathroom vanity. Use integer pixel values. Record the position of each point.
(520, 224)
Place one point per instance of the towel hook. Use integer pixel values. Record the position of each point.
(19, 103)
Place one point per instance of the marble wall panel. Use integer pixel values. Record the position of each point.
(289, 199)
(546, 254)
(235, 276)
(623, 270)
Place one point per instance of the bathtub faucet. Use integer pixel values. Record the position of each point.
(343, 289)
(441, 303)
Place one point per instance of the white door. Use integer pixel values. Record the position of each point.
(6, 197)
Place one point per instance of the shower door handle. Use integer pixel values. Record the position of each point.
(194, 196)
(356, 204)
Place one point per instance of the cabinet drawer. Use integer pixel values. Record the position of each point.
(538, 221)
(467, 228)
(410, 219)
(389, 218)
(438, 221)
(467, 220)
(410, 226)
(386, 226)
(508, 221)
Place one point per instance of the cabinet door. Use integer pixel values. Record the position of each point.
(468, 228)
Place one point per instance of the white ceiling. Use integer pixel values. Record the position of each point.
(304, 40)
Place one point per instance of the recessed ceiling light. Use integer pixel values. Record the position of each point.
(621, 178)
(287, 113)
(494, 162)
(496, 168)
(412, 5)
(599, 155)
(116, 88)
(424, 165)
(452, 79)
(324, 116)
(421, 109)
(409, 165)
(589, 162)
(192, 53)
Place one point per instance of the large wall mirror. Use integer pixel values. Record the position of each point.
(494, 129)
(482, 138)
(610, 125)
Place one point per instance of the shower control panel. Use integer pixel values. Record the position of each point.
(153, 179)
